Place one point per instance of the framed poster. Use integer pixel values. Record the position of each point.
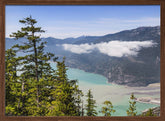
(82, 60)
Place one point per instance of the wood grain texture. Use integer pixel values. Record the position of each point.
(79, 2)
(2, 52)
(162, 61)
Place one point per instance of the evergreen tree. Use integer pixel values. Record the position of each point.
(15, 85)
(79, 103)
(90, 106)
(35, 67)
(132, 107)
(10, 81)
(65, 94)
(149, 113)
(38, 90)
(107, 109)
(82, 109)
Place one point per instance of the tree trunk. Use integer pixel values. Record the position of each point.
(23, 97)
(36, 69)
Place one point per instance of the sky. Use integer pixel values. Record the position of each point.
(74, 21)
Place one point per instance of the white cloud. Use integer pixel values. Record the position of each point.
(79, 49)
(113, 48)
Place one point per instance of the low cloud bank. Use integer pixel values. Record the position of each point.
(113, 48)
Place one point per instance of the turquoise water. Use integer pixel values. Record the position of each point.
(91, 80)
(121, 109)
(84, 77)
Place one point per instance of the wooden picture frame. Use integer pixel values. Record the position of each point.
(3, 3)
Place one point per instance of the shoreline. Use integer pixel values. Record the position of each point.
(112, 83)
(148, 100)
(118, 94)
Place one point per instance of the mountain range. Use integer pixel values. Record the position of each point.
(130, 57)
